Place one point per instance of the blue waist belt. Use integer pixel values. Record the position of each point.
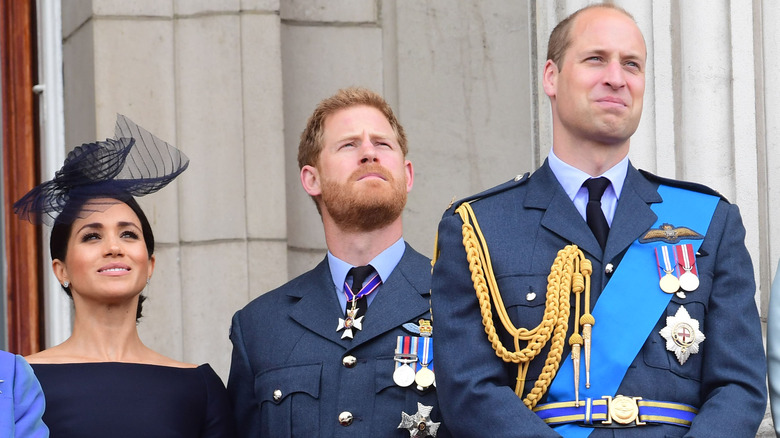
(620, 411)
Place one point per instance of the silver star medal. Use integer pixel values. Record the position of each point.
(419, 425)
(682, 335)
(349, 323)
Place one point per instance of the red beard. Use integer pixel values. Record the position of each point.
(364, 205)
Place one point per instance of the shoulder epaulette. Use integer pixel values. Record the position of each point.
(516, 181)
(687, 185)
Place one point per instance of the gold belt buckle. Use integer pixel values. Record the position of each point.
(623, 410)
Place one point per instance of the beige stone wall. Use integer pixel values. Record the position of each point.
(207, 77)
(232, 82)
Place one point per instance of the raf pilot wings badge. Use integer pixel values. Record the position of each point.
(669, 234)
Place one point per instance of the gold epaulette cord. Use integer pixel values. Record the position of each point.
(570, 272)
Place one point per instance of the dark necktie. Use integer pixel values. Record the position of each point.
(359, 275)
(593, 213)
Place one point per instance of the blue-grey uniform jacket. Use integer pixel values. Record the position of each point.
(288, 377)
(525, 224)
(773, 350)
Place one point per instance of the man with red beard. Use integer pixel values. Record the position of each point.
(346, 348)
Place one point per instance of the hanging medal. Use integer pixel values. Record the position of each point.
(424, 376)
(420, 424)
(351, 320)
(667, 269)
(686, 259)
(405, 357)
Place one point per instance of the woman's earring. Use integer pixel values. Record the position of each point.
(66, 284)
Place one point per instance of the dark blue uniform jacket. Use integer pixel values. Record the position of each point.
(525, 223)
(286, 340)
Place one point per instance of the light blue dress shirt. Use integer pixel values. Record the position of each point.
(384, 263)
(571, 180)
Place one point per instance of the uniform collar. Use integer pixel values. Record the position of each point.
(571, 178)
(383, 263)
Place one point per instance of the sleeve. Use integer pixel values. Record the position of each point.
(241, 384)
(29, 403)
(733, 373)
(472, 382)
(773, 350)
(219, 421)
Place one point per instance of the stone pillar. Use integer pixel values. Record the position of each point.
(769, 155)
(205, 76)
(115, 63)
(325, 46)
(464, 97)
(705, 147)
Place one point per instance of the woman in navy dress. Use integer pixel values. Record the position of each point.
(103, 381)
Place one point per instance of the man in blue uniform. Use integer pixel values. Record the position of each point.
(589, 298)
(346, 348)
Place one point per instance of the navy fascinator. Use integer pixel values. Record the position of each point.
(133, 163)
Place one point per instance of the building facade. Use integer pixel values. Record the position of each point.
(231, 83)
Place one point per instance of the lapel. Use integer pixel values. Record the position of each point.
(633, 215)
(401, 299)
(560, 216)
(318, 309)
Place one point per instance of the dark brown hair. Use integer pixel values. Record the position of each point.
(60, 236)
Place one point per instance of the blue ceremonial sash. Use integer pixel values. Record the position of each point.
(630, 305)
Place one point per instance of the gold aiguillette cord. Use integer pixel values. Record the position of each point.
(570, 272)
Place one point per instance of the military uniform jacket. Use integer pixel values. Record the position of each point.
(525, 223)
(287, 375)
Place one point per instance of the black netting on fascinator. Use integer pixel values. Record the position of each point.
(133, 163)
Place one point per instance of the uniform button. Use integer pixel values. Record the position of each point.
(345, 418)
(349, 361)
(277, 395)
(609, 268)
(530, 296)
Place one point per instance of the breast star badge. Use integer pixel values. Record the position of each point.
(682, 335)
(349, 323)
(419, 425)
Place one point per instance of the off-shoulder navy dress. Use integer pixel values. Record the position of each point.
(112, 399)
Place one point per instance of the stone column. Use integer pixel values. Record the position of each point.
(464, 97)
(205, 76)
(325, 46)
(769, 138)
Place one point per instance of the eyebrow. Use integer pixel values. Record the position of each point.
(99, 226)
(373, 137)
